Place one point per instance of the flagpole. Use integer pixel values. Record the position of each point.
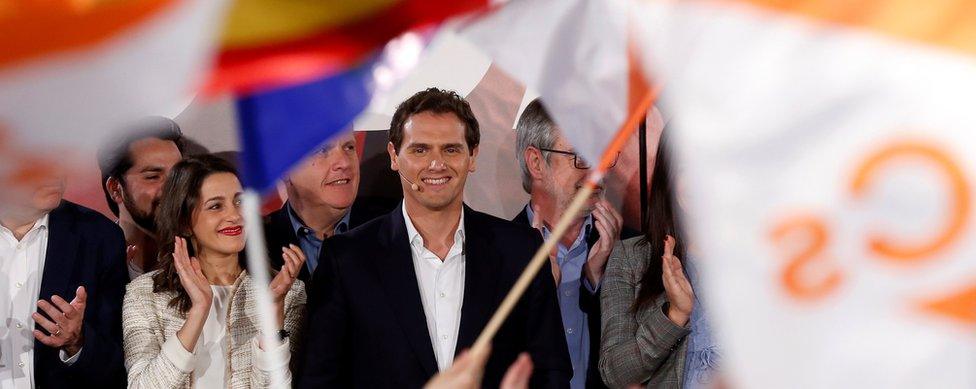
(257, 265)
(541, 256)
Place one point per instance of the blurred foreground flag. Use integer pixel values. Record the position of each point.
(71, 72)
(303, 70)
(830, 150)
(582, 58)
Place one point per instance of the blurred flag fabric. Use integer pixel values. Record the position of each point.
(303, 70)
(827, 148)
(580, 55)
(71, 73)
(829, 152)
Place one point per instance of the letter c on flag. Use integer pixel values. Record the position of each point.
(892, 248)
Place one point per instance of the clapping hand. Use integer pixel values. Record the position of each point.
(191, 276)
(681, 297)
(608, 223)
(294, 259)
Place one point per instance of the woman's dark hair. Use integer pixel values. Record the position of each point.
(174, 217)
(438, 101)
(662, 219)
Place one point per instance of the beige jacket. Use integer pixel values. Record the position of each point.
(155, 358)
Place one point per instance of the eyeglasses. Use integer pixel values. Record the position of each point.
(578, 161)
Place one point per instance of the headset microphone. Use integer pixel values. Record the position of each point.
(412, 185)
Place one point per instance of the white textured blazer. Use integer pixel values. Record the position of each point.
(155, 358)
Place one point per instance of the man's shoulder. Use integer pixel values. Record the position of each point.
(368, 208)
(368, 232)
(276, 219)
(88, 220)
(505, 229)
(522, 217)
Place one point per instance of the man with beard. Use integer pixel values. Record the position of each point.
(134, 169)
(321, 202)
(552, 173)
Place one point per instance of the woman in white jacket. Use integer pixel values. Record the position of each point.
(193, 321)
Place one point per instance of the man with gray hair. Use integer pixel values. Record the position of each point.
(552, 173)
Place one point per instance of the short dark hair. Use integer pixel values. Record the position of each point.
(114, 158)
(438, 101)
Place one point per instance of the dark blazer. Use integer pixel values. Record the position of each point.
(278, 231)
(85, 249)
(366, 321)
(589, 303)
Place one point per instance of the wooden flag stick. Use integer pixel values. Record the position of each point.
(542, 255)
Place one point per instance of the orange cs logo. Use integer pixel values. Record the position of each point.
(813, 256)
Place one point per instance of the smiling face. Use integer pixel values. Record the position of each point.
(330, 177)
(435, 156)
(139, 191)
(218, 227)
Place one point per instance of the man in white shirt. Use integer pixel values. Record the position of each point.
(407, 292)
(61, 302)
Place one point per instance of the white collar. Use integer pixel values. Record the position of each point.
(41, 223)
(413, 236)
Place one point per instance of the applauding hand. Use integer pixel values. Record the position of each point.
(194, 282)
(198, 288)
(681, 298)
(294, 259)
(609, 223)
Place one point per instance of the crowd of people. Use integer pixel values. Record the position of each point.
(366, 292)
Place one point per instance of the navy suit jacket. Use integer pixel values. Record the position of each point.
(278, 231)
(85, 249)
(589, 303)
(367, 326)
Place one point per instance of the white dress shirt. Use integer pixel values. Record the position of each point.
(21, 268)
(441, 289)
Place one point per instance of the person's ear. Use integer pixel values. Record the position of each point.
(114, 189)
(474, 159)
(393, 156)
(534, 162)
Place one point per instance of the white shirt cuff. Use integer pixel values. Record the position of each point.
(69, 361)
(276, 358)
(176, 353)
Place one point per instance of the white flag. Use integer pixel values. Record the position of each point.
(578, 54)
(831, 153)
(72, 73)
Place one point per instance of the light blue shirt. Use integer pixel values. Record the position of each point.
(703, 357)
(311, 245)
(575, 325)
